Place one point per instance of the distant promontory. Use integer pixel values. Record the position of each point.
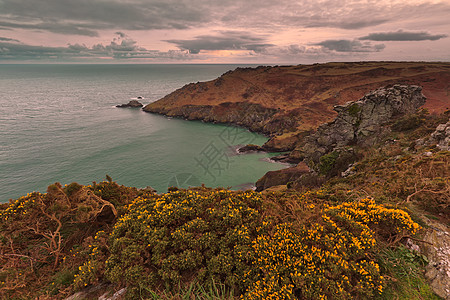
(287, 102)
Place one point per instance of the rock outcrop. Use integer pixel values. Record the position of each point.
(132, 103)
(435, 245)
(441, 137)
(358, 123)
(281, 177)
(252, 116)
(286, 102)
(361, 122)
(250, 148)
(438, 269)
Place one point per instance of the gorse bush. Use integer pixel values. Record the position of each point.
(331, 259)
(230, 237)
(92, 271)
(285, 245)
(184, 235)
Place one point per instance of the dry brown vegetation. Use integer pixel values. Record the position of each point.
(402, 173)
(42, 235)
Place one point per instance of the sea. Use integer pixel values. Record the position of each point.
(59, 123)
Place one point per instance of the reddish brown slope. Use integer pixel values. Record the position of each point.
(289, 100)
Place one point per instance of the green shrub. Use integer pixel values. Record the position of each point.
(257, 246)
(186, 236)
(118, 195)
(408, 123)
(354, 110)
(327, 162)
(182, 235)
(404, 269)
(72, 188)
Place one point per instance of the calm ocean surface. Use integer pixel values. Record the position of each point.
(59, 123)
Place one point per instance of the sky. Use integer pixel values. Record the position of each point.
(223, 31)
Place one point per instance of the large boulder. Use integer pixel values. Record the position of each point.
(250, 148)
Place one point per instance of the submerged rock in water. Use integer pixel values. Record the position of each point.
(132, 103)
(250, 148)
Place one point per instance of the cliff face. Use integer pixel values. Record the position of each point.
(250, 115)
(287, 102)
(360, 122)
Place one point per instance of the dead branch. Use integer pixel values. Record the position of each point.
(11, 288)
(54, 237)
(423, 190)
(20, 255)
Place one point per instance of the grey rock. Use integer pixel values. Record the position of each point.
(437, 250)
(441, 137)
(351, 170)
(361, 122)
(117, 295)
(281, 177)
(250, 148)
(412, 246)
(91, 292)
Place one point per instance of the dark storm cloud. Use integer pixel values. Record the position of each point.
(8, 40)
(17, 51)
(226, 40)
(64, 28)
(121, 47)
(401, 35)
(350, 46)
(85, 17)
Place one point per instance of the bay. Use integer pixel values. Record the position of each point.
(59, 123)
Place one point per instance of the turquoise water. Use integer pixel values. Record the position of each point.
(59, 123)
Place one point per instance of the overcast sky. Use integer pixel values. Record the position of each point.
(223, 31)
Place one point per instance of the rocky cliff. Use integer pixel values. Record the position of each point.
(360, 122)
(286, 102)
